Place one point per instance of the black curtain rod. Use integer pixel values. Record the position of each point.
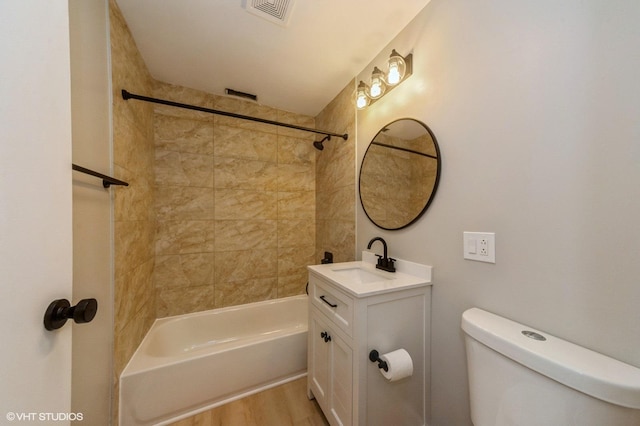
(404, 149)
(126, 95)
(107, 181)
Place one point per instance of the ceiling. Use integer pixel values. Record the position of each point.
(300, 67)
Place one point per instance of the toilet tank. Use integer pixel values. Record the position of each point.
(519, 376)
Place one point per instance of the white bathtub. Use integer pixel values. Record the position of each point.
(191, 363)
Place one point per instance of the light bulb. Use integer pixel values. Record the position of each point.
(362, 100)
(397, 68)
(376, 89)
(377, 86)
(393, 77)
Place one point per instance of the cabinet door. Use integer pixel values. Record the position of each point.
(341, 391)
(318, 369)
(330, 370)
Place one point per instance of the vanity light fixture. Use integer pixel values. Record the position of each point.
(398, 69)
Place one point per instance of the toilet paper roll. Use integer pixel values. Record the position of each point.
(399, 365)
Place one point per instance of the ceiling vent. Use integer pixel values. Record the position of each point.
(276, 11)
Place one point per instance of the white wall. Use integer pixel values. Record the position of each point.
(92, 208)
(536, 106)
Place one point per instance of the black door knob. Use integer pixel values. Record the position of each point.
(59, 311)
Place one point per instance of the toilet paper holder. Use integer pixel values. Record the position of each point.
(374, 356)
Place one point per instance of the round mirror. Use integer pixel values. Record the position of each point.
(399, 174)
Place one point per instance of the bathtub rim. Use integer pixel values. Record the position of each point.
(153, 363)
(227, 308)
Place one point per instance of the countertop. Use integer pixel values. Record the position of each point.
(341, 274)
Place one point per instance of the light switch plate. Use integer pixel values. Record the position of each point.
(480, 246)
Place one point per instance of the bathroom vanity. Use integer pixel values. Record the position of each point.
(354, 309)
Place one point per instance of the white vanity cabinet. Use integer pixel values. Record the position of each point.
(350, 314)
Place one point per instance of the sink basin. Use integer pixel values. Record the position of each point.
(359, 275)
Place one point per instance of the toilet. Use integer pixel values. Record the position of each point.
(523, 377)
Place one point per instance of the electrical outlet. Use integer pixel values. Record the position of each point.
(484, 246)
(480, 246)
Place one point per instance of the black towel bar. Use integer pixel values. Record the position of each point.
(107, 181)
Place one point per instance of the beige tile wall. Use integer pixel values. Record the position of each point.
(134, 225)
(336, 180)
(235, 204)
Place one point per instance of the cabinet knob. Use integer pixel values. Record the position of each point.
(325, 336)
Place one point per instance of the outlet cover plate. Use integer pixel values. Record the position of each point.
(479, 246)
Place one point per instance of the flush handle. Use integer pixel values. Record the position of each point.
(59, 311)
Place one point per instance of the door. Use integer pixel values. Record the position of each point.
(92, 225)
(35, 209)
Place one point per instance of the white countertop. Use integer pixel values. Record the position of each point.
(342, 275)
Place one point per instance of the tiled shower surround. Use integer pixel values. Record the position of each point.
(134, 206)
(219, 211)
(336, 180)
(235, 204)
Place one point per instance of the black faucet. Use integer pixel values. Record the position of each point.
(385, 263)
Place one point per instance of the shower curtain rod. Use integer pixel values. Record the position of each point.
(127, 95)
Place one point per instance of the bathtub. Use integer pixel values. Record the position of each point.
(192, 363)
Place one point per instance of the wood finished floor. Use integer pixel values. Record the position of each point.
(280, 406)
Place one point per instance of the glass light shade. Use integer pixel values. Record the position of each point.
(362, 99)
(397, 69)
(377, 86)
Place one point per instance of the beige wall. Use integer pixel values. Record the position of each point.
(336, 179)
(219, 211)
(235, 204)
(535, 110)
(134, 219)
